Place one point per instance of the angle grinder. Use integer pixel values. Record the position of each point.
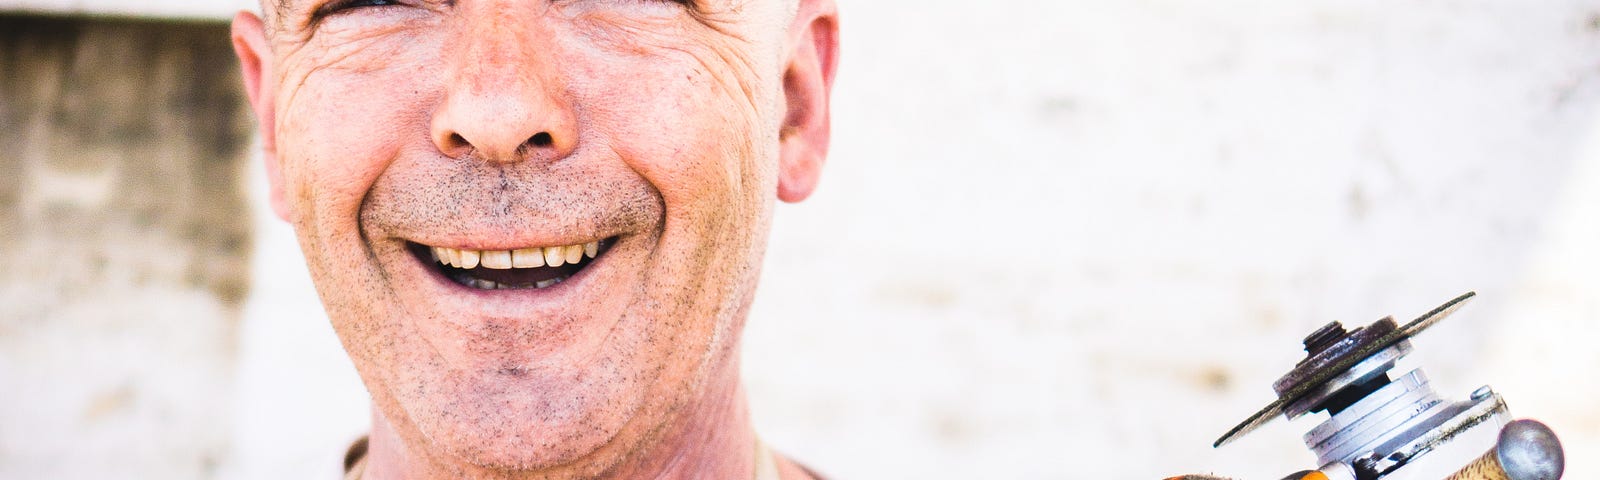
(1395, 427)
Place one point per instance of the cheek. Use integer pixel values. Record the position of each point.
(346, 126)
(684, 104)
(682, 126)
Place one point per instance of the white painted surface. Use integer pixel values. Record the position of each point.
(1080, 239)
(300, 402)
(199, 9)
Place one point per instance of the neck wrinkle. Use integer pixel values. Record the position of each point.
(714, 440)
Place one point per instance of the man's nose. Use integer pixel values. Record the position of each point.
(504, 103)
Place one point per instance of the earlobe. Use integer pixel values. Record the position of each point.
(255, 65)
(807, 86)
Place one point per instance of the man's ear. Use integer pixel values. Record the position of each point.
(255, 64)
(807, 84)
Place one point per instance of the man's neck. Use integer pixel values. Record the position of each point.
(713, 440)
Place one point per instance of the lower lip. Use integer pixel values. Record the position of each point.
(486, 330)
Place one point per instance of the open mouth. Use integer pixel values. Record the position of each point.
(525, 268)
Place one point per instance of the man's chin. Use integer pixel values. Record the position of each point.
(514, 452)
(519, 423)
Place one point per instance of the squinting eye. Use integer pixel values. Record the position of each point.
(338, 6)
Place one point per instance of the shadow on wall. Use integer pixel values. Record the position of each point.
(126, 237)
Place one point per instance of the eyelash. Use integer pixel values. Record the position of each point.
(338, 6)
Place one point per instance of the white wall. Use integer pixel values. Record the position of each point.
(124, 259)
(1079, 239)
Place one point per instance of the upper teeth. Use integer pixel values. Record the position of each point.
(532, 257)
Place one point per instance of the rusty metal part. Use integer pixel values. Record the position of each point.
(1327, 346)
(1340, 392)
(1331, 352)
(1441, 424)
(1526, 450)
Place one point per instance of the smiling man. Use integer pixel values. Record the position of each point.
(538, 225)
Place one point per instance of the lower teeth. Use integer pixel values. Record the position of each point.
(482, 284)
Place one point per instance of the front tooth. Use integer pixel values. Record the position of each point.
(439, 255)
(574, 253)
(469, 259)
(527, 258)
(591, 249)
(554, 256)
(452, 257)
(496, 259)
(547, 283)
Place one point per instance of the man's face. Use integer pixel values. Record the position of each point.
(644, 139)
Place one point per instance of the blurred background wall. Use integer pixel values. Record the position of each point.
(125, 236)
(1063, 239)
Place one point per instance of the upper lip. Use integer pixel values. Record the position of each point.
(494, 245)
(523, 247)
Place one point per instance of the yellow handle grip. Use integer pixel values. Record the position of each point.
(1486, 467)
(1307, 475)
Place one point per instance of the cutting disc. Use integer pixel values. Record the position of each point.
(1320, 376)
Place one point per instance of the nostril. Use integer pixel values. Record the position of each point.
(457, 146)
(541, 139)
